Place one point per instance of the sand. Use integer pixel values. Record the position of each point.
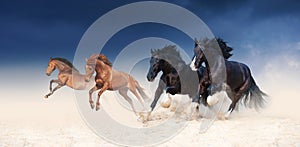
(58, 123)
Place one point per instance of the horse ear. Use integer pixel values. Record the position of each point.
(195, 40)
(50, 58)
(152, 51)
(86, 60)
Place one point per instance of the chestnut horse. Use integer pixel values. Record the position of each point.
(67, 75)
(109, 79)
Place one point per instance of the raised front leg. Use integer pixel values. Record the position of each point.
(56, 88)
(51, 82)
(50, 87)
(95, 88)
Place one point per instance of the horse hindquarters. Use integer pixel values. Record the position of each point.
(239, 81)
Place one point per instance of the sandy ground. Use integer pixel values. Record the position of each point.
(58, 123)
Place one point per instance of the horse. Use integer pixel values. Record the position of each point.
(240, 85)
(67, 75)
(109, 79)
(205, 88)
(176, 78)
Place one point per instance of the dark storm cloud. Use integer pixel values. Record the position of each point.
(51, 11)
(39, 29)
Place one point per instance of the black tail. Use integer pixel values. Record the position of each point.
(254, 97)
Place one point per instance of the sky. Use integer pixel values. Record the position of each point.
(32, 31)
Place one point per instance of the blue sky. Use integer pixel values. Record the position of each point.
(32, 31)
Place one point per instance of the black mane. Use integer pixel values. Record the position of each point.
(169, 53)
(226, 50)
(66, 62)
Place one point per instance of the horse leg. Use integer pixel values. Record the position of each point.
(95, 88)
(158, 92)
(105, 87)
(195, 104)
(233, 104)
(51, 92)
(50, 87)
(237, 97)
(123, 92)
(133, 90)
(51, 82)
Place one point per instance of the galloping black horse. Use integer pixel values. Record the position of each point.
(240, 85)
(205, 88)
(176, 78)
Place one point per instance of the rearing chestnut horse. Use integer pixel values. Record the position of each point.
(67, 75)
(109, 79)
(240, 85)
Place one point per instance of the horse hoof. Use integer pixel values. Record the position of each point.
(226, 116)
(46, 96)
(141, 119)
(92, 106)
(97, 108)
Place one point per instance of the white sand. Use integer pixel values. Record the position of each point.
(57, 123)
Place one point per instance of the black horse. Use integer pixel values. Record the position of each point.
(240, 85)
(176, 78)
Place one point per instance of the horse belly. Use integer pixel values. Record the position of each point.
(77, 83)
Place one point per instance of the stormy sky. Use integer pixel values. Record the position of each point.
(32, 31)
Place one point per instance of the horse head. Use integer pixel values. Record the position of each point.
(199, 56)
(51, 67)
(89, 67)
(156, 65)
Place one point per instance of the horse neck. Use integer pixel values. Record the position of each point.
(60, 66)
(167, 68)
(100, 66)
(215, 71)
(207, 68)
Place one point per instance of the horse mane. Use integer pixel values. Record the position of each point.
(66, 62)
(226, 50)
(104, 59)
(169, 52)
(101, 57)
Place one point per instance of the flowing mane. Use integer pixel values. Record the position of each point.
(66, 62)
(169, 53)
(101, 57)
(104, 59)
(226, 50)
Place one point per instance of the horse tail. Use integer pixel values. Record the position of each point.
(141, 91)
(255, 96)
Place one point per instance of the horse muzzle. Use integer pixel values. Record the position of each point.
(150, 78)
(48, 74)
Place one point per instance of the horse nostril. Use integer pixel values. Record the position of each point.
(149, 78)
